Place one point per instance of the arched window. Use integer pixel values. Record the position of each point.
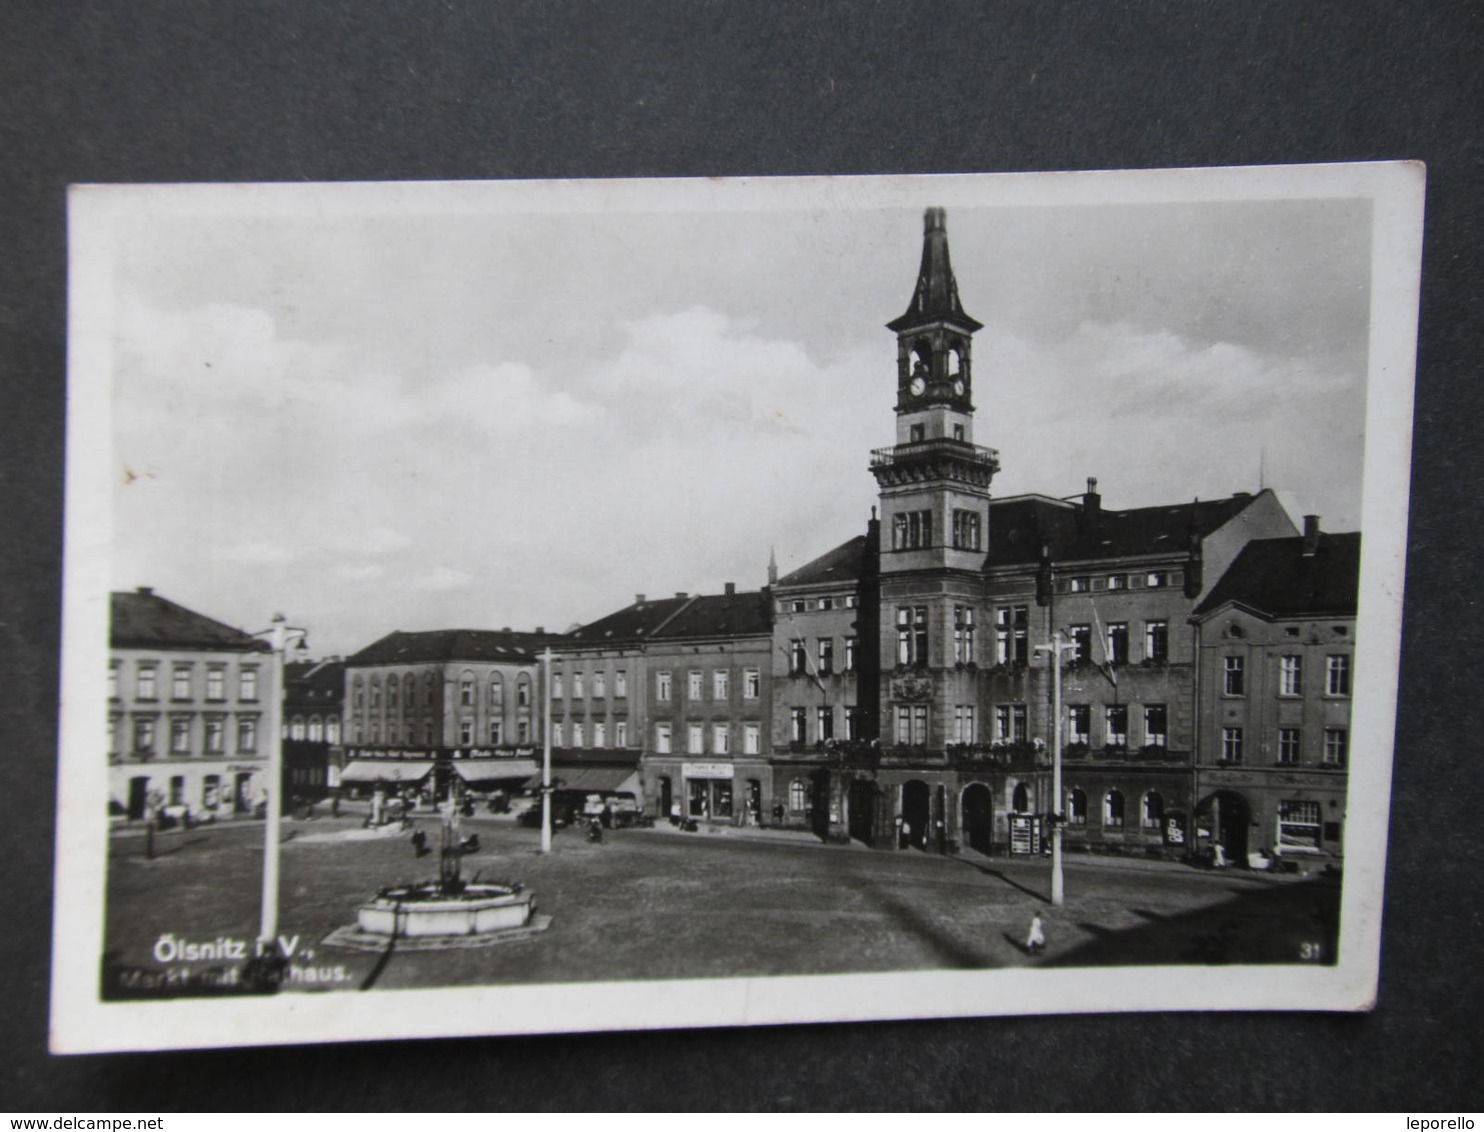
(428, 689)
(466, 689)
(357, 693)
(1113, 809)
(392, 687)
(296, 727)
(409, 691)
(375, 692)
(523, 692)
(332, 729)
(1021, 801)
(316, 729)
(1153, 810)
(1076, 807)
(798, 795)
(497, 690)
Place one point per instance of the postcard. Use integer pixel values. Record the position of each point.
(518, 607)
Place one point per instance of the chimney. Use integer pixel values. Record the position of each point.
(681, 594)
(638, 599)
(147, 591)
(540, 629)
(731, 588)
(1092, 500)
(1311, 535)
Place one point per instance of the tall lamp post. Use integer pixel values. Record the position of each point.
(279, 636)
(1059, 645)
(546, 750)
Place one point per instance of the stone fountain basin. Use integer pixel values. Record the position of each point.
(426, 910)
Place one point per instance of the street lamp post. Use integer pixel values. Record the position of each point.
(279, 636)
(1059, 645)
(546, 750)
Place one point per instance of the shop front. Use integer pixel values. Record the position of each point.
(710, 794)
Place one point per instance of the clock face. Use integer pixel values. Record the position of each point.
(917, 386)
(958, 387)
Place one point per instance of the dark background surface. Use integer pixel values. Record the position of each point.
(150, 91)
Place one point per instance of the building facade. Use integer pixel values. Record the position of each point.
(189, 700)
(422, 708)
(313, 700)
(1275, 639)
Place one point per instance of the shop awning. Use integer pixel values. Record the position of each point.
(402, 770)
(592, 779)
(495, 770)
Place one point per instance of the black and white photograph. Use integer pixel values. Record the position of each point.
(522, 607)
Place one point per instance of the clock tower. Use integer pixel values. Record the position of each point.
(934, 481)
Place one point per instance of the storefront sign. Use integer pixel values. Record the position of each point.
(707, 770)
(1025, 834)
(1174, 829)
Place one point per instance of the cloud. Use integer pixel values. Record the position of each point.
(440, 579)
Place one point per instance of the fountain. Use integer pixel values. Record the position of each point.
(447, 912)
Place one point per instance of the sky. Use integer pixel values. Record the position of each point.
(520, 413)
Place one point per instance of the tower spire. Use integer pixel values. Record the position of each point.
(936, 294)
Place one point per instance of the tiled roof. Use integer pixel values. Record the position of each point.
(142, 619)
(314, 681)
(1018, 527)
(845, 563)
(1276, 577)
(631, 625)
(440, 645)
(721, 615)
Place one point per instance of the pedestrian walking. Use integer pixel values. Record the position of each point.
(1035, 939)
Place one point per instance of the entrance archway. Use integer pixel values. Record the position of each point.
(863, 804)
(1020, 801)
(916, 812)
(1226, 816)
(978, 816)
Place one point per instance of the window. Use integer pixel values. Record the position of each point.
(215, 736)
(211, 787)
(963, 634)
(752, 739)
(1113, 810)
(824, 717)
(1156, 725)
(721, 739)
(556, 735)
(1010, 723)
(695, 739)
(466, 732)
(826, 654)
(851, 661)
(144, 736)
(296, 727)
(621, 683)
(912, 530)
(912, 635)
(958, 432)
(180, 736)
(1152, 812)
(497, 692)
(851, 601)
(409, 691)
(1115, 723)
(1288, 745)
(1234, 676)
(466, 691)
(1117, 642)
(556, 686)
(1157, 641)
(357, 694)
(391, 692)
(180, 682)
(522, 732)
(916, 434)
(145, 688)
(1076, 807)
(1081, 638)
(1337, 675)
(247, 735)
(798, 657)
(965, 728)
(577, 685)
(662, 686)
(966, 530)
(1079, 585)
(798, 796)
(1079, 719)
(1156, 579)
(522, 694)
(662, 738)
(1336, 746)
(1291, 676)
(912, 725)
(332, 729)
(621, 733)
(1012, 644)
(694, 683)
(797, 725)
(177, 789)
(852, 723)
(428, 691)
(752, 681)
(600, 685)
(375, 692)
(721, 684)
(496, 734)
(577, 736)
(1118, 581)
(1298, 824)
(825, 603)
(113, 680)
(799, 605)
(1231, 744)
(316, 729)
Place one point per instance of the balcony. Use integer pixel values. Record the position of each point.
(939, 456)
